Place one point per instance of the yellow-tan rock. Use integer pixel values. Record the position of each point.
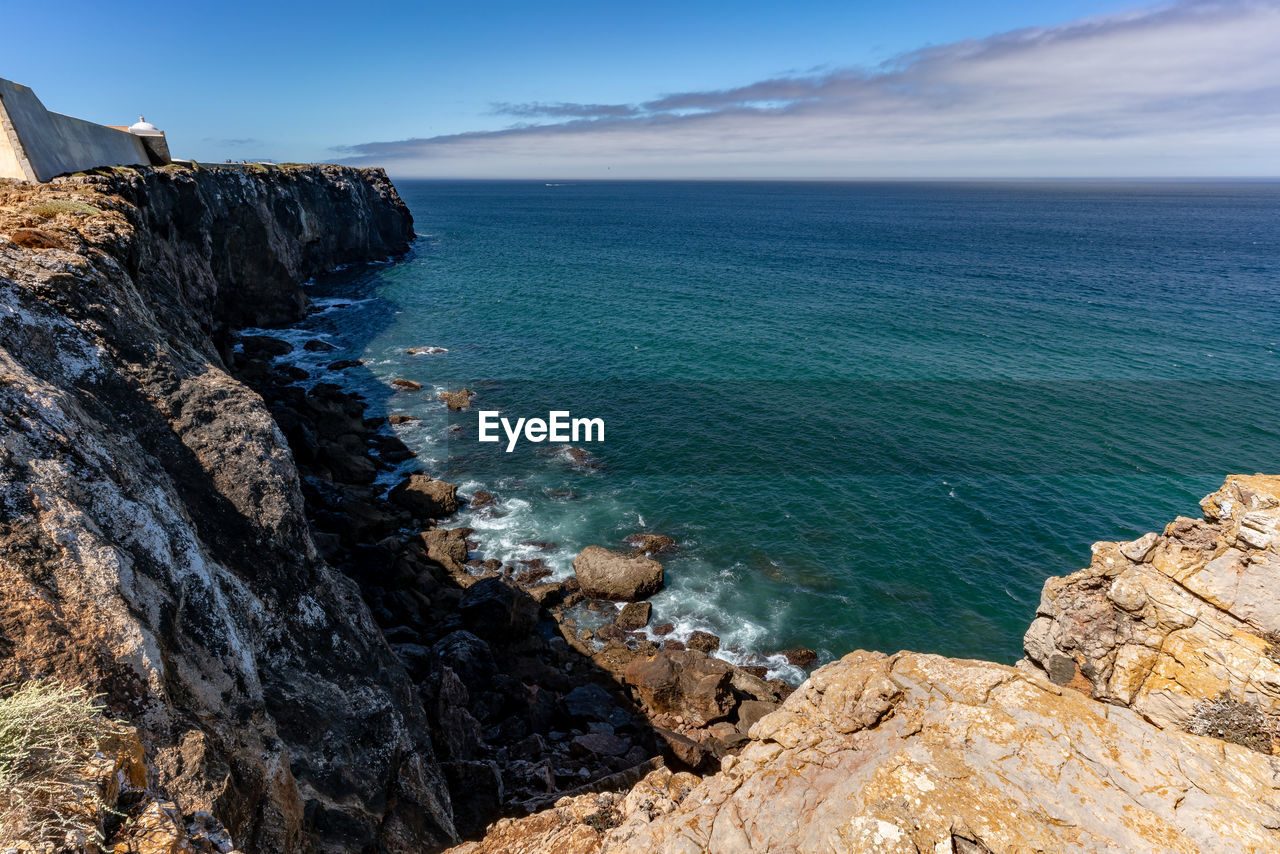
(1171, 621)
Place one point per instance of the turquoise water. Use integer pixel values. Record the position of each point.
(873, 415)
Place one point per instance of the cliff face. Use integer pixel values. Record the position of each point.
(152, 538)
(1144, 719)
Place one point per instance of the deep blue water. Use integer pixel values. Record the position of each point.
(873, 415)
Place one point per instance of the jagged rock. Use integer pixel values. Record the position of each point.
(426, 497)
(448, 547)
(920, 753)
(633, 616)
(1171, 620)
(400, 418)
(604, 574)
(315, 345)
(684, 683)
(155, 546)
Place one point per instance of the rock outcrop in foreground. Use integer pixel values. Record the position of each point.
(153, 545)
(1142, 720)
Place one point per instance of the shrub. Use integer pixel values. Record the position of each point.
(1235, 721)
(49, 732)
(53, 207)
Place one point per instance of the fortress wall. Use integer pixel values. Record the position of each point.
(54, 144)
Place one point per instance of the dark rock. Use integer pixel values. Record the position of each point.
(664, 629)
(589, 703)
(650, 544)
(600, 744)
(801, 657)
(469, 657)
(490, 608)
(634, 615)
(480, 498)
(541, 545)
(401, 418)
(403, 384)
(344, 364)
(604, 574)
(315, 345)
(673, 644)
(476, 791)
(264, 346)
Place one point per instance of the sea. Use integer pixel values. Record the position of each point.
(872, 415)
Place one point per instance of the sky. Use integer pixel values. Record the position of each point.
(744, 89)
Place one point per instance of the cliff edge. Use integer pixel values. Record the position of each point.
(153, 545)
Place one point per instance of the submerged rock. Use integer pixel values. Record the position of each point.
(650, 544)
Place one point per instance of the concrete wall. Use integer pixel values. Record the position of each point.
(52, 144)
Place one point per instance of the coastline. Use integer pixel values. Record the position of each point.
(307, 666)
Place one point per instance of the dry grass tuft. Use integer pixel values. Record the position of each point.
(49, 734)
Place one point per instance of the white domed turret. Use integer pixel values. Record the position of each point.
(143, 126)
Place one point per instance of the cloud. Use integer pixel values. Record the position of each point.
(1191, 88)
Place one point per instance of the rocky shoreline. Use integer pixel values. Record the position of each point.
(527, 706)
(299, 660)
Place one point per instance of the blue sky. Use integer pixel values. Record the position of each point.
(560, 89)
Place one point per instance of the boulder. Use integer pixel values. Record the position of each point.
(634, 616)
(480, 498)
(703, 642)
(400, 418)
(426, 351)
(315, 345)
(447, 547)
(426, 497)
(406, 385)
(457, 400)
(605, 574)
(684, 683)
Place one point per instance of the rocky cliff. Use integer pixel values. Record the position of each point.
(312, 667)
(1143, 719)
(153, 545)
